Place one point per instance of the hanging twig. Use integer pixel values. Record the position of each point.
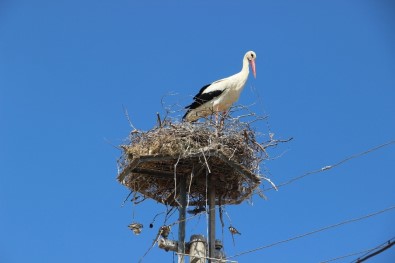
(175, 181)
(126, 199)
(189, 187)
(151, 225)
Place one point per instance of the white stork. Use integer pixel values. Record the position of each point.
(221, 94)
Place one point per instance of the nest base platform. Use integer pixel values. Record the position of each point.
(158, 177)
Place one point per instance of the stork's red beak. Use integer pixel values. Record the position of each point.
(252, 63)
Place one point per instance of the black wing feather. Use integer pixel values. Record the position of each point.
(202, 98)
(201, 91)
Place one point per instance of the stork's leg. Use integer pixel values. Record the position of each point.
(225, 113)
(223, 117)
(221, 121)
(216, 116)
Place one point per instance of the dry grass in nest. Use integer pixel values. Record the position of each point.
(153, 162)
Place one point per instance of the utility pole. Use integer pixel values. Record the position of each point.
(211, 217)
(181, 219)
(197, 245)
(197, 250)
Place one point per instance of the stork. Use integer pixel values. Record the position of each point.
(221, 94)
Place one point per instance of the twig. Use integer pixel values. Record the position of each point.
(261, 147)
(142, 200)
(208, 167)
(261, 194)
(227, 215)
(189, 187)
(126, 199)
(159, 121)
(153, 220)
(270, 181)
(152, 245)
(115, 146)
(175, 181)
(275, 142)
(169, 213)
(128, 118)
(233, 153)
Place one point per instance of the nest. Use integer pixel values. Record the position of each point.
(154, 162)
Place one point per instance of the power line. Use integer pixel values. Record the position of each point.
(314, 231)
(388, 244)
(328, 167)
(366, 251)
(348, 255)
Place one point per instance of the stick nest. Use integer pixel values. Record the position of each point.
(154, 162)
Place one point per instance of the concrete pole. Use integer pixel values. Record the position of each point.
(181, 219)
(197, 250)
(211, 217)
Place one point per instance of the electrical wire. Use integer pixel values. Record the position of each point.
(314, 231)
(348, 255)
(328, 167)
(366, 251)
(380, 248)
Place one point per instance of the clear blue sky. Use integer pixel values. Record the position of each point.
(325, 76)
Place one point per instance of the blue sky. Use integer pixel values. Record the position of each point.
(325, 76)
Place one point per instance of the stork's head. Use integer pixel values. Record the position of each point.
(251, 56)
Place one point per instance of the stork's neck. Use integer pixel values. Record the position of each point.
(241, 77)
(246, 69)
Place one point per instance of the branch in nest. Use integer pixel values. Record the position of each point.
(208, 167)
(270, 181)
(159, 120)
(128, 118)
(272, 143)
(262, 148)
